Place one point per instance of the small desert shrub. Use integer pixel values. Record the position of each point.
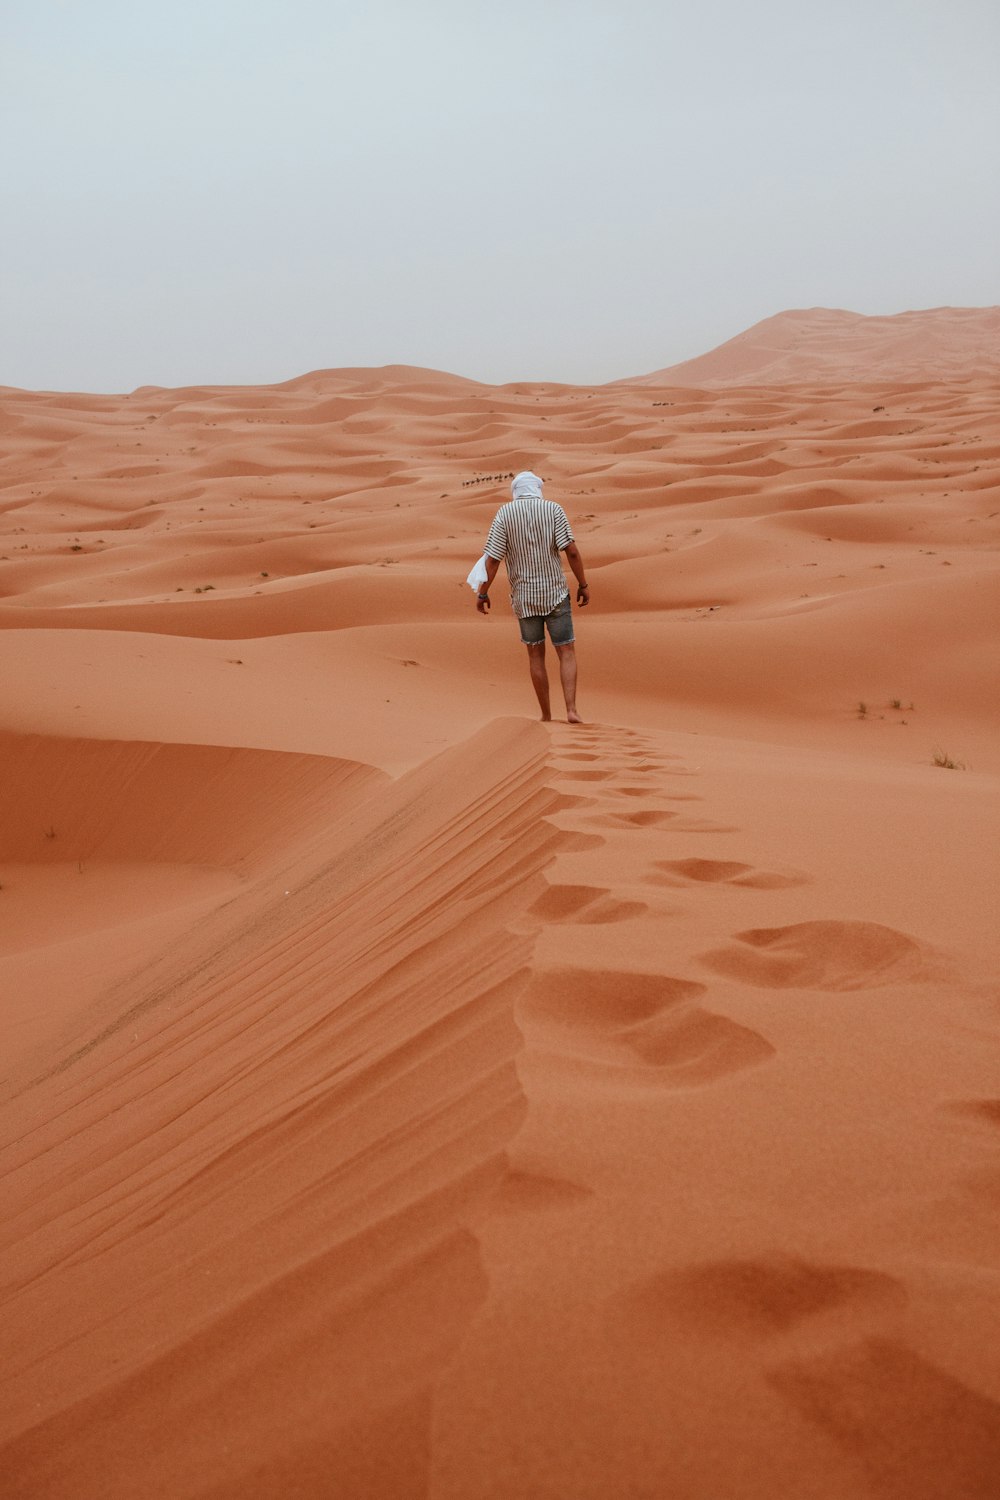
(941, 758)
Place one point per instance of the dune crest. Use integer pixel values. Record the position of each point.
(829, 345)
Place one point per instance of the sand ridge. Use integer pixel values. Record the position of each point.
(822, 343)
(401, 1097)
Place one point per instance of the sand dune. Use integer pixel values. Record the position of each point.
(405, 1098)
(828, 344)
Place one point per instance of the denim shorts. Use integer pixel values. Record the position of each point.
(559, 623)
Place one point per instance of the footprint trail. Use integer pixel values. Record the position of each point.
(694, 1171)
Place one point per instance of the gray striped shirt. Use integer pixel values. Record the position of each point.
(529, 535)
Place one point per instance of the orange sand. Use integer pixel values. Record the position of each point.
(404, 1098)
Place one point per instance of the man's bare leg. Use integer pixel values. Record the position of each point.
(540, 678)
(567, 675)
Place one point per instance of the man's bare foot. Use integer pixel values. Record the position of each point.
(572, 717)
(546, 718)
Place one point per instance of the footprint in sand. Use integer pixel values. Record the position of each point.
(576, 775)
(635, 764)
(646, 819)
(822, 955)
(762, 1297)
(571, 841)
(644, 791)
(645, 1023)
(618, 752)
(683, 872)
(704, 825)
(584, 903)
(982, 1111)
(915, 1430)
(573, 774)
(658, 818)
(980, 1119)
(532, 1192)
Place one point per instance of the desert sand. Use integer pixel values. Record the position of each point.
(405, 1098)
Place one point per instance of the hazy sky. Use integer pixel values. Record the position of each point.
(579, 190)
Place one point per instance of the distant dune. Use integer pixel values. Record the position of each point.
(401, 1099)
(823, 344)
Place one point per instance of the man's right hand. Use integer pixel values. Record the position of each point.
(483, 603)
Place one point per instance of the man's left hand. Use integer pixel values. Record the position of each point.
(483, 603)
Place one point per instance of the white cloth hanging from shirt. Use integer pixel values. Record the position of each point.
(478, 576)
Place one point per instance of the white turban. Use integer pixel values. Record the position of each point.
(526, 486)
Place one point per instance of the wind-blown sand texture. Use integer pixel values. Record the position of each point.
(403, 1098)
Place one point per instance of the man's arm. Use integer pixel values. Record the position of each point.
(575, 561)
(483, 596)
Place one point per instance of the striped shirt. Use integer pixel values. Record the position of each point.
(529, 535)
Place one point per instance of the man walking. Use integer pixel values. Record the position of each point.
(528, 533)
